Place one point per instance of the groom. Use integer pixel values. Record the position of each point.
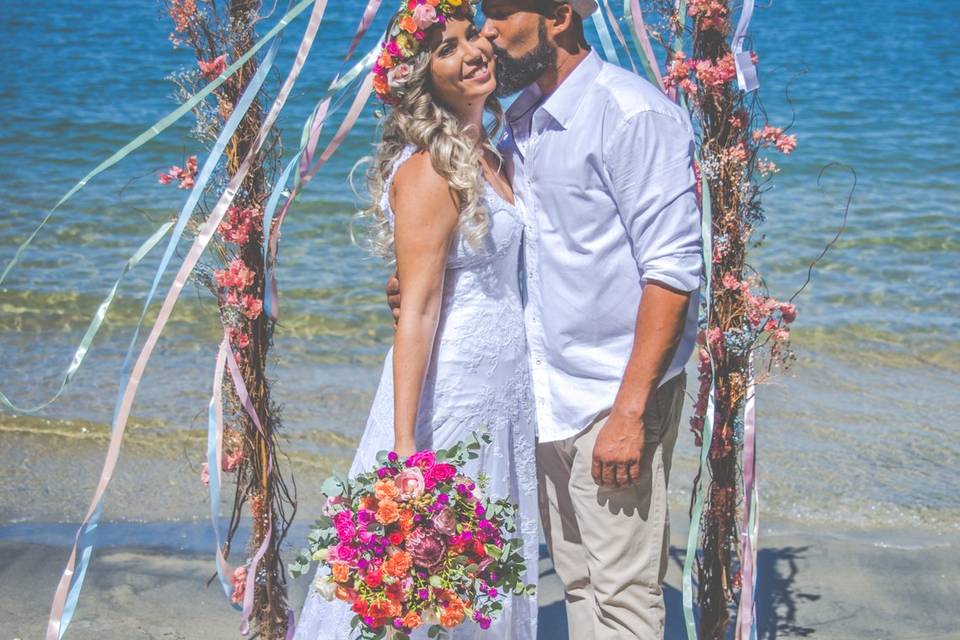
(612, 262)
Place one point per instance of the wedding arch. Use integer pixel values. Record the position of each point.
(694, 50)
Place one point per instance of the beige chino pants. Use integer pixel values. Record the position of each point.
(610, 546)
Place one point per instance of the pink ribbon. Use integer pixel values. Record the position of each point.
(640, 29)
(200, 243)
(749, 524)
(345, 127)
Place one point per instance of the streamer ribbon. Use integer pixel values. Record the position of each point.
(638, 31)
(157, 128)
(65, 603)
(706, 230)
(215, 463)
(609, 51)
(749, 526)
(71, 580)
(743, 60)
(84, 347)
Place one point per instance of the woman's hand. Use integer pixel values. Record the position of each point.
(405, 448)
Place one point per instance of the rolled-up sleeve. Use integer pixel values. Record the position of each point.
(648, 161)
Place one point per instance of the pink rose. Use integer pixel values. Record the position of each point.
(446, 522)
(425, 16)
(441, 472)
(426, 547)
(343, 552)
(397, 76)
(422, 459)
(330, 505)
(410, 482)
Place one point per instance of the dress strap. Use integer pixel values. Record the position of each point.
(404, 155)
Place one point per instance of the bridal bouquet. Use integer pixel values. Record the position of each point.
(414, 542)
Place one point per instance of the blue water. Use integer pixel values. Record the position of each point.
(861, 429)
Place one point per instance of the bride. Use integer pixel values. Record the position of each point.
(444, 209)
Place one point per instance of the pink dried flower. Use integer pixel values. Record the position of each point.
(231, 459)
(239, 580)
(213, 68)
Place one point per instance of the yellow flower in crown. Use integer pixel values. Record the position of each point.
(407, 31)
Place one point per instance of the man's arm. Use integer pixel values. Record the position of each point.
(650, 175)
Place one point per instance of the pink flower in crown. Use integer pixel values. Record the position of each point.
(410, 482)
(399, 75)
(393, 49)
(425, 16)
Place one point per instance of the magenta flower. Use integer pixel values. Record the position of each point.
(423, 459)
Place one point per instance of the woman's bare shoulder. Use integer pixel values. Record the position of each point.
(419, 192)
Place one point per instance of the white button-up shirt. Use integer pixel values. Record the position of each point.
(603, 169)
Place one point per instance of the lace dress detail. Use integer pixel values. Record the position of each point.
(478, 378)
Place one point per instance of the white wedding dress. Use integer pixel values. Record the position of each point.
(478, 379)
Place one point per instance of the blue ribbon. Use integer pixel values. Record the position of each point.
(86, 537)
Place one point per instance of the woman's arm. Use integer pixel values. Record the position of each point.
(426, 216)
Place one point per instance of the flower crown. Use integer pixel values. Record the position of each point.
(407, 33)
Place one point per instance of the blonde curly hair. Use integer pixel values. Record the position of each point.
(418, 118)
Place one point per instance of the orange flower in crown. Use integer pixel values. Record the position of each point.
(404, 41)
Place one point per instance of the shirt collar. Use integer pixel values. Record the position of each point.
(563, 103)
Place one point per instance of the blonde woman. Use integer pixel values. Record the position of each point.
(444, 209)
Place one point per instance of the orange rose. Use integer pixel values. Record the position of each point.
(398, 564)
(408, 24)
(451, 617)
(406, 522)
(412, 620)
(384, 609)
(344, 594)
(340, 571)
(388, 512)
(386, 489)
(385, 61)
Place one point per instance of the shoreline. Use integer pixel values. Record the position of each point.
(147, 580)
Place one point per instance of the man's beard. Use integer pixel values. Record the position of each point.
(514, 74)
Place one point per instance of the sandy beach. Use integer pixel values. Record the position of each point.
(811, 586)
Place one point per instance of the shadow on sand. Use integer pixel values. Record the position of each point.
(778, 599)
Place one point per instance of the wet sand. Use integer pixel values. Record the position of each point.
(811, 586)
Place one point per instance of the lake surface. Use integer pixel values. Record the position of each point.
(861, 433)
